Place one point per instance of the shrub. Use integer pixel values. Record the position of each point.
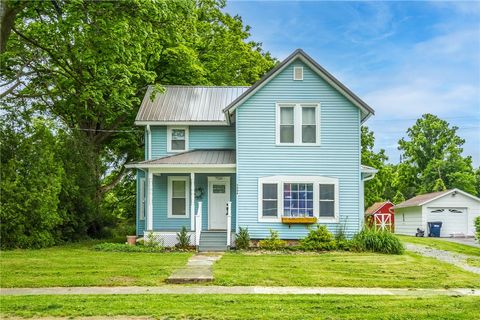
(370, 239)
(242, 240)
(477, 227)
(273, 242)
(183, 239)
(319, 239)
(151, 241)
(120, 247)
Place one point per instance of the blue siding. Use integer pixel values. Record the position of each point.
(139, 223)
(200, 137)
(258, 156)
(160, 202)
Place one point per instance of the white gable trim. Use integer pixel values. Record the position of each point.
(450, 192)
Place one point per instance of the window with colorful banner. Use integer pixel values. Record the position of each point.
(298, 199)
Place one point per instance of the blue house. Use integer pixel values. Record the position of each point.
(282, 154)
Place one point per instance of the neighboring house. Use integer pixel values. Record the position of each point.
(456, 209)
(279, 155)
(380, 215)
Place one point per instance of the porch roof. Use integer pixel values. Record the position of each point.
(211, 158)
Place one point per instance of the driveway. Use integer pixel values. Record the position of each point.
(467, 241)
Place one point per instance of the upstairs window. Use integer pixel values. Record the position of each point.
(177, 139)
(298, 124)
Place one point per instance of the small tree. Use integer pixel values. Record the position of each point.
(183, 239)
(242, 241)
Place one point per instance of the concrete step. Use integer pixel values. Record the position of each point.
(212, 248)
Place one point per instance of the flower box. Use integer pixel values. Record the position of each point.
(299, 220)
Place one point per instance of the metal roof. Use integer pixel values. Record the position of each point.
(299, 53)
(187, 104)
(201, 157)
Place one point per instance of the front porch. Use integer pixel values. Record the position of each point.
(195, 190)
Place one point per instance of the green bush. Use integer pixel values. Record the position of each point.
(319, 239)
(372, 240)
(183, 239)
(242, 240)
(120, 247)
(477, 227)
(273, 242)
(151, 241)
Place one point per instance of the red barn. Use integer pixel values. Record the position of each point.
(380, 215)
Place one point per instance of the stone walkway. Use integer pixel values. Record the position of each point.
(457, 259)
(169, 289)
(198, 269)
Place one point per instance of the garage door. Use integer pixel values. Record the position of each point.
(454, 220)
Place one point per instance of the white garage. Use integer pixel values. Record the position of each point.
(456, 209)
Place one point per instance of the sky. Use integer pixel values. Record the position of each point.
(402, 58)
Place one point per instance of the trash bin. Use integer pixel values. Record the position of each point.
(434, 228)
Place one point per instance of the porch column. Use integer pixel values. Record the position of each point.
(192, 201)
(150, 200)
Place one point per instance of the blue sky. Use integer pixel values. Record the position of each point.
(402, 58)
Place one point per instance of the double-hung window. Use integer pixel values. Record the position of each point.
(177, 139)
(178, 195)
(298, 124)
(298, 196)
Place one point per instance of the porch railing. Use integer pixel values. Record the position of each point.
(229, 222)
(198, 223)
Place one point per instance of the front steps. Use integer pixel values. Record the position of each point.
(213, 241)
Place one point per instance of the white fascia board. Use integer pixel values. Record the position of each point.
(181, 123)
(450, 192)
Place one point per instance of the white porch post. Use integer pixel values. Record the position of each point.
(150, 200)
(192, 201)
(229, 222)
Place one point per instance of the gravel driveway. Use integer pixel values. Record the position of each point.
(457, 259)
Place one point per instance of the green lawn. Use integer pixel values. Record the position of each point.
(437, 243)
(80, 265)
(242, 306)
(474, 262)
(340, 269)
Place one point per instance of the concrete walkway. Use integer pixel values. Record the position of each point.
(466, 241)
(198, 269)
(457, 259)
(169, 289)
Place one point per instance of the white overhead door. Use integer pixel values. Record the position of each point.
(454, 220)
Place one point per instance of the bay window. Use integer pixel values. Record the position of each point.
(298, 124)
(298, 196)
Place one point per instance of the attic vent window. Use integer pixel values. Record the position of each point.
(298, 73)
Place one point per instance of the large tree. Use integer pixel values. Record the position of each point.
(87, 64)
(432, 159)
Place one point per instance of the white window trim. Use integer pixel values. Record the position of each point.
(141, 191)
(297, 123)
(315, 180)
(295, 72)
(187, 196)
(169, 138)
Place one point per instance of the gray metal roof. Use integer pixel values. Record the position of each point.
(187, 104)
(201, 157)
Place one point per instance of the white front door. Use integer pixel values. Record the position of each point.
(218, 196)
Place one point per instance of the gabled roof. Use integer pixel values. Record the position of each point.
(188, 104)
(422, 199)
(200, 157)
(300, 54)
(376, 206)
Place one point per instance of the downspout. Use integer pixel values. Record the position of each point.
(149, 142)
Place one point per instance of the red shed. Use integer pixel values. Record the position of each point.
(381, 216)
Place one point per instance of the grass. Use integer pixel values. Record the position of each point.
(475, 262)
(242, 306)
(80, 265)
(340, 269)
(437, 243)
